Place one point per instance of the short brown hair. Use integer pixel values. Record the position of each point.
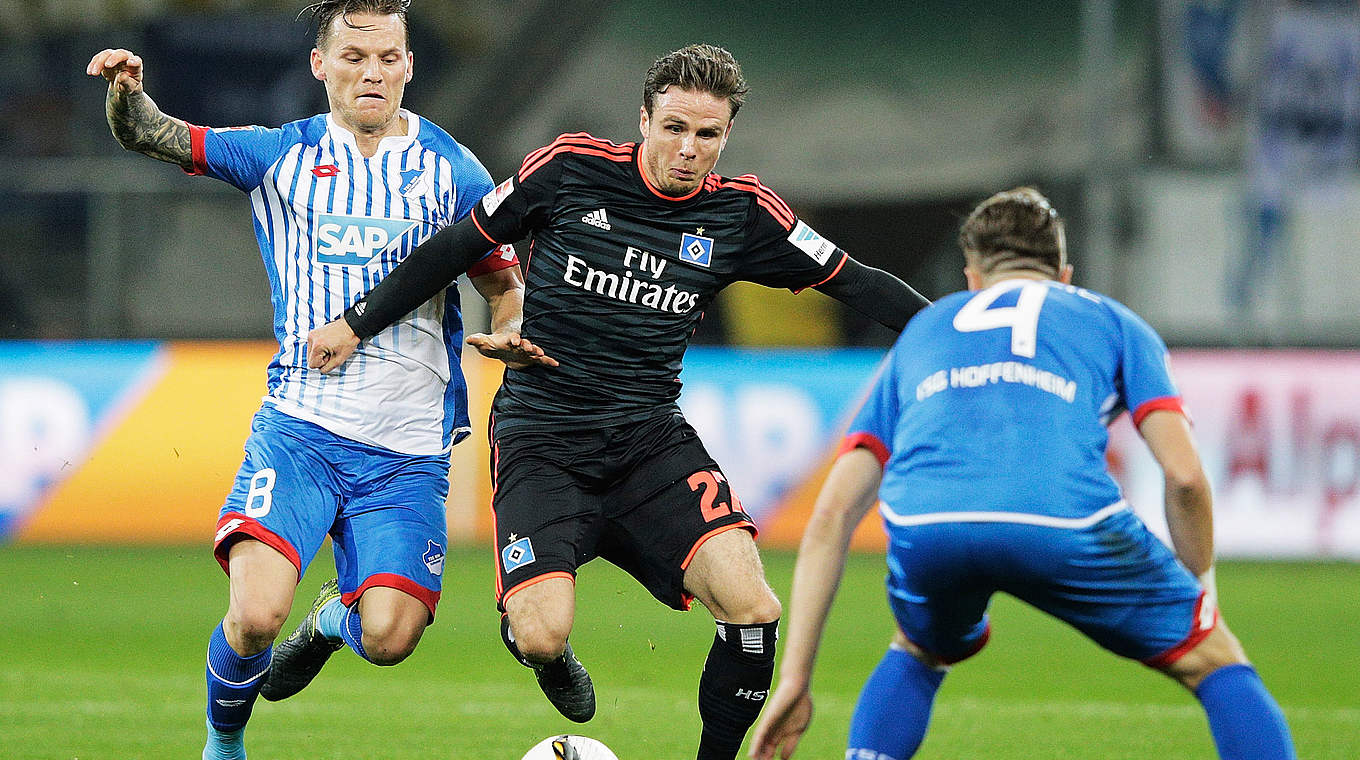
(701, 68)
(1015, 229)
(326, 11)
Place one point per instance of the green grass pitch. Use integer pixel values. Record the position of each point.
(101, 657)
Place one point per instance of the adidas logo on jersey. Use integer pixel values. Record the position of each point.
(598, 219)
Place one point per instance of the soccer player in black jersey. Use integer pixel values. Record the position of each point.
(630, 243)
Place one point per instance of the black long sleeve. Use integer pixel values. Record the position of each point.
(875, 293)
(426, 271)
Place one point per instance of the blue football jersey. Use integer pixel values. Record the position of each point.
(997, 401)
(330, 224)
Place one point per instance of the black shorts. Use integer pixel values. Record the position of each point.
(642, 495)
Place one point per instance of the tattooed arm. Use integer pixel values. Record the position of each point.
(136, 122)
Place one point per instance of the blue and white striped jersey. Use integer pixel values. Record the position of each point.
(331, 224)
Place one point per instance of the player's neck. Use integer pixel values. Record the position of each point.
(368, 141)
(1014, 274)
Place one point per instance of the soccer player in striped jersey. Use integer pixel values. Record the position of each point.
(337, 201)
(593, 458)
(983, 444)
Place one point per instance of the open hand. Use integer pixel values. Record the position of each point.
(122, 68)
(330, 345)
(515, 350)
(786, 718)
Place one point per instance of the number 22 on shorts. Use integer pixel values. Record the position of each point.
(709, 506)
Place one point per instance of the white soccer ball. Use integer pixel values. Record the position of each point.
(570, 747)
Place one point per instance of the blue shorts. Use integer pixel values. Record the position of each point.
(1113, 581)
(384, 510)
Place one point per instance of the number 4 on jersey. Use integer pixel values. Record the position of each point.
(1022, 318)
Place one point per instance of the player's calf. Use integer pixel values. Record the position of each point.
(734, 685)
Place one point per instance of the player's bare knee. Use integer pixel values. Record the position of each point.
(539, 639)
(252, 630)
(760, 608)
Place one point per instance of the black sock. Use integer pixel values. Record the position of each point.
(734, 686)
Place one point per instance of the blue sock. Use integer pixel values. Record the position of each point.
(330, 620)
(1245, 720)
(894, 708)
(352, 631)
(233, 683)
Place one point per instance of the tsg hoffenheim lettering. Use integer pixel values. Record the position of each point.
(979, 375)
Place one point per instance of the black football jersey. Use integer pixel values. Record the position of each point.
(618, 275)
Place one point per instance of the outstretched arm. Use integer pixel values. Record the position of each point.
(847, 495)
(503, 290)
(136, 122)
(874, 293)
(426, 271)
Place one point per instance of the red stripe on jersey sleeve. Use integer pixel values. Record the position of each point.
(767, 198)
(501, 258)
(579, 142)
(865, 441)
(844, 257)
(1166, 403)
(478, 225)
(200, 156)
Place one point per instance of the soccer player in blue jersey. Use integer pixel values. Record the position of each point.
(337, 200)
(983, 444)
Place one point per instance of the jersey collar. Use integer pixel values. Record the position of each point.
(647, 183)
(391, 143)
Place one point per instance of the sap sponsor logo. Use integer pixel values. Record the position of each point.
(434, 558)
(696, 249)
(808, 241)
(517, 554)
(355, 240)
(628, 288)
(493, 200)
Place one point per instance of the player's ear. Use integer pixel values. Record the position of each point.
(317, 72)
(642, 121)
(727, 133)
(973, 276)
(410, 65)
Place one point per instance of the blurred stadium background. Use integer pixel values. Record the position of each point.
(1205, 152)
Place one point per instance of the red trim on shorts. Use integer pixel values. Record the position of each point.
(748, 526)
(844, 258)
(495, 531)
(981, 642)
(197, 150)
(250, 527)
(1165, 403)
(1197, 634)
(867, 441)
(525, 584)
(493, 262)
(399, 582)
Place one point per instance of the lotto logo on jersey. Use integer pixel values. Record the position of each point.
(355, 240)
(808, 241)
